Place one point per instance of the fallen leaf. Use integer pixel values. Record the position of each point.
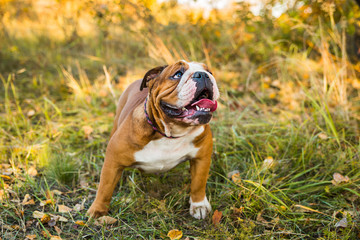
(230, 174)
(175, 234)
(87, 130)
(323, 136)
(5, 177)
(27, 200)
(64, 209)
(46, 202)
(236, 178)
(30, 202)
(78, 207)
(15, 227)
(268, 163)
(49, 194)
(57, 192)
(37, 214)
(338, 178)
(59, 218)
(105, 220)
(80, 222)
(29, 223)
(272, 95)
(45, 218)
(31, 113)
(30, 237)
(58, 230)
(342, 223)
(216, 217)
(45, 233)
(32, 171)
(3, 195)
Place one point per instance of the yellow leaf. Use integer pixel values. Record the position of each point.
(105, 220)
(175, 234)
(272, 95)
(45, 218)
(80, 222)
(216, 217)
(45, 233)
(46, 202)
(63, 209)
(15, 227)
(5, 177)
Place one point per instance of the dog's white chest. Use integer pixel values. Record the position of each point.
(165, 153)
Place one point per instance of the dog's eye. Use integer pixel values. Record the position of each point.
(177, 75)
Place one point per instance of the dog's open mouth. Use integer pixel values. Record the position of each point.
(200, 106)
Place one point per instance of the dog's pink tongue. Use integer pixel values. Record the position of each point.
(206, 103)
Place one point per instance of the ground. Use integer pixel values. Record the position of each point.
(286, 133)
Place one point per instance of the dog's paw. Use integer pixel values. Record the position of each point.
(97, 210)
(200, 210)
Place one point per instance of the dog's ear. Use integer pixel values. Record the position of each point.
(151, 74)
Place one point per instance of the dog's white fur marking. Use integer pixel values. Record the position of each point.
(164, 154)
(167, 130)
(200, 210)
(186, 87)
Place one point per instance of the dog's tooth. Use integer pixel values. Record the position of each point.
(197, 108)
(184, 109)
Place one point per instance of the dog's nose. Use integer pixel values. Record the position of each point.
(203, 81)
(200, 75)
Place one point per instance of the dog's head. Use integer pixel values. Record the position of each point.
(186, 92)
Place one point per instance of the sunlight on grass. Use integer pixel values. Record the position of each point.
(287, 121)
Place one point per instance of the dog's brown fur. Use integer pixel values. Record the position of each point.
(131, 132)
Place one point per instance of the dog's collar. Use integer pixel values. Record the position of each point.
(151, 123)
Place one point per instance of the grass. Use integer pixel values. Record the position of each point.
(298, 107)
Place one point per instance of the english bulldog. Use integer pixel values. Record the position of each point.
(161, 121)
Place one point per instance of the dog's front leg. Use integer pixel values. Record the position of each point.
(199, 169)
(110, 176)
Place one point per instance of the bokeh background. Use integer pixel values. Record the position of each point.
(286, 154)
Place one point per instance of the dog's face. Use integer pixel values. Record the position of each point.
(186, 92)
